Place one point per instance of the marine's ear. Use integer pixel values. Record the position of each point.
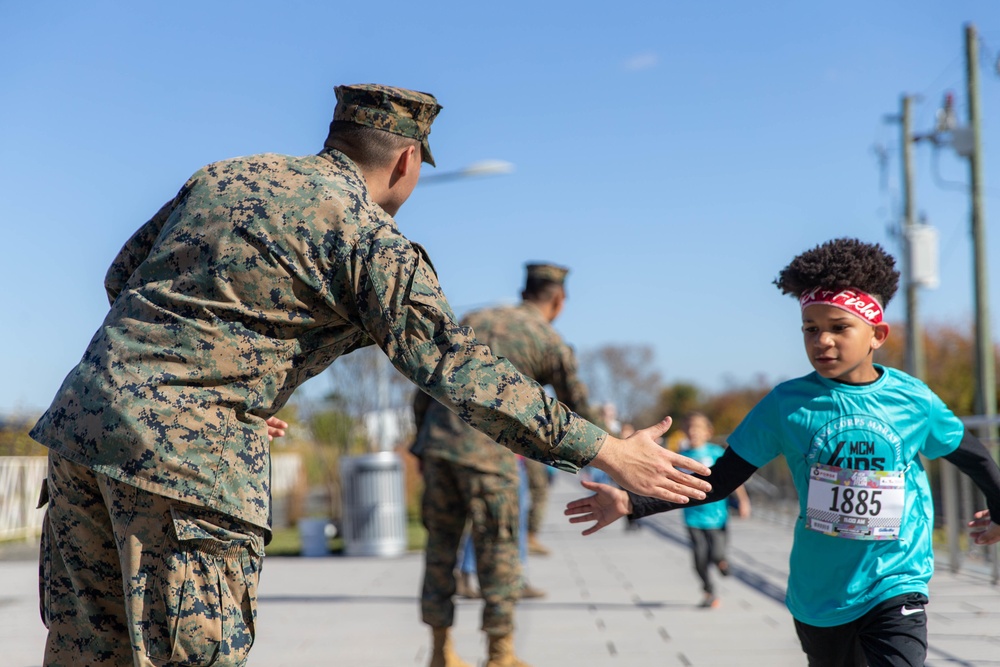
(405, 161)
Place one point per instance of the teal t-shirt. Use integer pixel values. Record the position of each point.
(710, 516)
(880, 426)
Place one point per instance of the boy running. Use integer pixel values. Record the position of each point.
(851, 432)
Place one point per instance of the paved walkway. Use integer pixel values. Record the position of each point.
(618, 598)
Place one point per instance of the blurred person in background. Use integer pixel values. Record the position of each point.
(467, 477)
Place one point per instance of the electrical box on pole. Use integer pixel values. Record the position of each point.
(963, 141)
(922, 254)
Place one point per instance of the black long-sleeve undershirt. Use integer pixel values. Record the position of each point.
(728, 473)
(732, 470)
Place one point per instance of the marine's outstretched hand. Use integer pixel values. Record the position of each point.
(642, 466)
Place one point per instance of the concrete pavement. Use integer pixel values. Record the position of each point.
(618, 598)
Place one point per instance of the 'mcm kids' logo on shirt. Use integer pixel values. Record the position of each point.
(857, 442)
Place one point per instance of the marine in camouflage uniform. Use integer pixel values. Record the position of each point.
(255, 277)
(468, 477)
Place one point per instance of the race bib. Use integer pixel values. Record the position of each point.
(855, 504)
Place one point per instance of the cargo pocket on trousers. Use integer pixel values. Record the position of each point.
(204, 604)
(44, 557)
(494, 507)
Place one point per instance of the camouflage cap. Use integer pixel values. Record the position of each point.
(549, 272)
(407, 113)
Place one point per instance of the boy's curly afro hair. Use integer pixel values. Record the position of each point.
(842, 263)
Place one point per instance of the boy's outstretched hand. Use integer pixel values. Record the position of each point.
(640, 465)
(605, 506)
(982, 529)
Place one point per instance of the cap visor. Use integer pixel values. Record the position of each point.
(426, 153)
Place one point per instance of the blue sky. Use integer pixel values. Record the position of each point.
(675, 155)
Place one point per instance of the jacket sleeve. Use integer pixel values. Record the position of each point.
(402, 307)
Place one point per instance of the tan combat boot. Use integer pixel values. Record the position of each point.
(528, 592)
(500, 652)
(443, 653)
(536, 548)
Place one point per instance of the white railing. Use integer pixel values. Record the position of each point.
(20, 483)
(287, 471)
(960, 499)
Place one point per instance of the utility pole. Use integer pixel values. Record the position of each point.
(986, 390)
(967, 142)
(986, 395)
(915, 358)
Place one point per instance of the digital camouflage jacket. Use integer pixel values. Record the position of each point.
(255, 277)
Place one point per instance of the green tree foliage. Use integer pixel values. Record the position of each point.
(14, 438)
(725, 409)
(677, 400)
(337, 431)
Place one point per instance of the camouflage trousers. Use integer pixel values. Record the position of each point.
(453, 494)
(130, 578)
(538, 484)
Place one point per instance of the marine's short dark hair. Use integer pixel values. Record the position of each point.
(367, 146)
(842, 263)
(540, 289)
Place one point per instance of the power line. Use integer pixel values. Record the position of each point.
(934, 85)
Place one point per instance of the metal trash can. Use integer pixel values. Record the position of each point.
(374, 507)
(314, 537)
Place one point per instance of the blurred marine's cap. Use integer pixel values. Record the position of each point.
(549, 272)
(407, 113)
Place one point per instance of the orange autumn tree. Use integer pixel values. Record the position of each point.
(725, 408)
(950, 362)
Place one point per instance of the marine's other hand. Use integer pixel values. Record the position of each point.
(275, 428)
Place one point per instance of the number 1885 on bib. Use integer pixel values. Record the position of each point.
(855, 504)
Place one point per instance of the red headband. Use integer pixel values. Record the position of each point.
(853, 301)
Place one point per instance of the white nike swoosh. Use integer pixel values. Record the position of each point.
(906, 611)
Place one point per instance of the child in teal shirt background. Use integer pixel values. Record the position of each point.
(706, 523)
